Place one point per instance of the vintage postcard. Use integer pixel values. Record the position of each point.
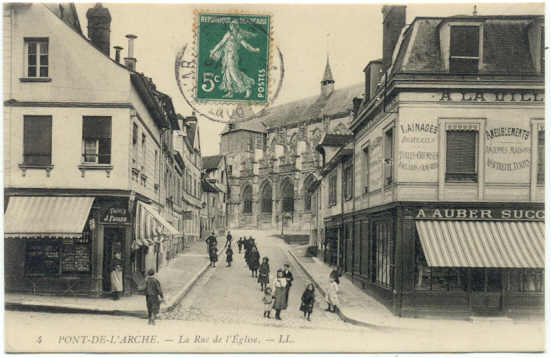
(274, 178)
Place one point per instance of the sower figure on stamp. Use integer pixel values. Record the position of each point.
(153, 296)
(227, 50)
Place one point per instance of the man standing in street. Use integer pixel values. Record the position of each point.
(289, 276)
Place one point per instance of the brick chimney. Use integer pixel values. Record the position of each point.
(130, 61)
(394, 19)
(117, 53)
(99, 27)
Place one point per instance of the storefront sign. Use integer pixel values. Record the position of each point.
(115, 216)
(499, 96)
(480, 214)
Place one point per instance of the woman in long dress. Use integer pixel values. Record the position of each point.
(233, 79)
(280, 299)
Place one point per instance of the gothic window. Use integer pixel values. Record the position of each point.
(308, 182)
(287, 196)
(267, 198)
(248, 200)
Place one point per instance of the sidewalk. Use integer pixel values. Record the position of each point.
(176, 280)
(357, 307)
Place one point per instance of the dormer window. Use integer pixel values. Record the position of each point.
(464, 48)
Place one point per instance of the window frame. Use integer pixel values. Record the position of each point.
(332, 192)
(98, 140)
(348, 179)
(462, 177)
(38, 66)
(480, 46)
(388, 180)
(25, 154)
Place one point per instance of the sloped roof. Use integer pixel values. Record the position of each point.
(337, 104)
(212, 162)
(248, 125)
(67, 12)
(506, 48)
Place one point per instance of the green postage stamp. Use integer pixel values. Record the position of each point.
(233, 55)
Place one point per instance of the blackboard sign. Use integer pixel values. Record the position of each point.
(76, 255)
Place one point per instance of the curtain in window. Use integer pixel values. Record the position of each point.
(97, 129)
(37, 140)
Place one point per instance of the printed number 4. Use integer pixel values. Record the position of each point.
(209, 80)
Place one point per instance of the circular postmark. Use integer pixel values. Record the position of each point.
(232, 72)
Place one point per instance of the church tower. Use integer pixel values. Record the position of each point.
(327, 82)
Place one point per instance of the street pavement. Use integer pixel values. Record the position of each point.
(223, 312)
(230, 294)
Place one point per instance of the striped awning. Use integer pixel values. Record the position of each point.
(495, 244)
(151, 227)
(46, 216)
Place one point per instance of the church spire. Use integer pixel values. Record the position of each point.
(327, 82)
(328, 74)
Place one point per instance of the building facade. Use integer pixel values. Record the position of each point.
(215, 188)
(448, 186)
(272, 160)
(90, 174)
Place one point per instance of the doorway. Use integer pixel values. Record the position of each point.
(487, 291)
(112, 254)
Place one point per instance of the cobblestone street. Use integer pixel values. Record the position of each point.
(231, 295)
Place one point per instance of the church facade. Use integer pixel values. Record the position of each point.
(272, 159)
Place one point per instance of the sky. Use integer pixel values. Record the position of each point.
(350, 34)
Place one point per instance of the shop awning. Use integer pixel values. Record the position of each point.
(151, 227)
(46, 216)
(495, 244)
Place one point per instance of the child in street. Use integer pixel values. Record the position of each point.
(263, 274)
(332, 296)
(229, 256)
(268, 300)
(307, 301)
(153, 296)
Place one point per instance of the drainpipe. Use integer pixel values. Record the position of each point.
(339, 248)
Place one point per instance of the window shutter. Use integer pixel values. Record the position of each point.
(461, 153)
(37, 140)
(541, 157)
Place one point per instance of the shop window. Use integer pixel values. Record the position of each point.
(42, 257)
(388, 156)
(347, 180)
(36, 58)
(525, 280)
(332, 190)
(96, 138)
(461, 155)
(464, 49)
(437, 278)
(541, 157)
(37, 140)
(383, 251)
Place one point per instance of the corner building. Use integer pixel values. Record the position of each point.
(449, 167)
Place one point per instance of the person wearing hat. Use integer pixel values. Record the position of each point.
(153, 296)
(212, 249)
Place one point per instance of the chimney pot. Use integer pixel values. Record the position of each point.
(130, 61)
(117, 53)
